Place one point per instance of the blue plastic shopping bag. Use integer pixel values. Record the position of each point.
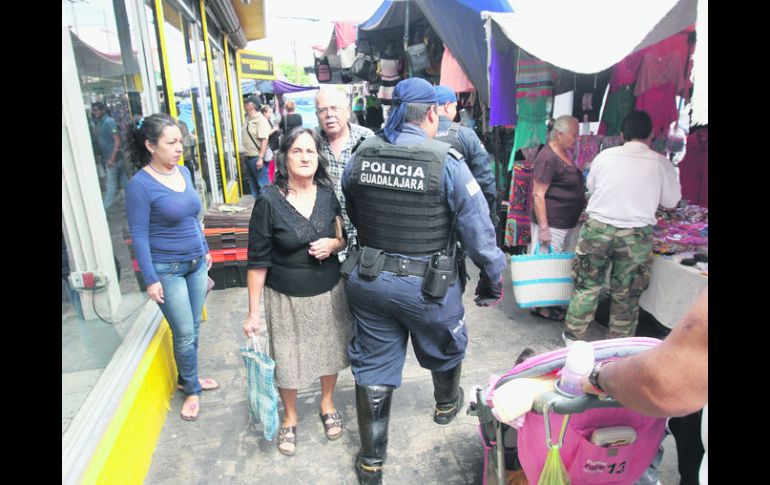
(262, 395)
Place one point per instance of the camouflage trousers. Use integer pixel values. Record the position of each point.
(627, 253)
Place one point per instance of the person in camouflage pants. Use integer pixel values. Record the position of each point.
(626, 185)
(629, 254)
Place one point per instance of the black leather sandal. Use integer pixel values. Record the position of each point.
(287, 436)
(330, 421)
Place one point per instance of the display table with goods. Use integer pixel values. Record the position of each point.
(679, 272)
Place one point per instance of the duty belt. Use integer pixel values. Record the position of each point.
(403, 266)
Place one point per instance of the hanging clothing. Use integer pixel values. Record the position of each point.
(694, 169)
(517, 224)
(611, 141)
(624, 72)
(589, 93)
(619, 104)
(534, 78)
(660, 103)
(587, 149)
(452, 75)
(531, 127)
(660, 79)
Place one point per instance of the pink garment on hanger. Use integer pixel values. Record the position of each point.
(452, 75)
(389, 69)
(694, 169)
(660, 103)
(657, 70)
(345, 33)
(625, 71)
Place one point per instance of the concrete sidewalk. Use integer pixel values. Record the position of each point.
(218, 447)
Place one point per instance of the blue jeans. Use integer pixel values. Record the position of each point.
(184, 292)
(257, 178)
(116, 179)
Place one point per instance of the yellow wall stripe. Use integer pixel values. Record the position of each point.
(242, 121)
(125, 451)
(214, 101)
(160, 25)
(232, 114)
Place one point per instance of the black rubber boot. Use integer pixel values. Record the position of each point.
(448, 394)
(373, 409)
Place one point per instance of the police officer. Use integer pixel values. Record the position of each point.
(465, 141)
(406, 196)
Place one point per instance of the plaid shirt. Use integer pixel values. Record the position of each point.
(336, 167)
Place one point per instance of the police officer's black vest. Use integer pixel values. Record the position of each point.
(396, 190)
(452, 137)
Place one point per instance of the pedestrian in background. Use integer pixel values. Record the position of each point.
(108, 140)
(272, 141)
(291, 119)
(294, 233)
(339, 139)
(626, 185)
(254, 145)
(162, 208)
(558, 198)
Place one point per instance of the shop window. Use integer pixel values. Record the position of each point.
(105, 47)
(225, 119)
(184, 74)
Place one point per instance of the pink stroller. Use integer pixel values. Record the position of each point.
(602, 442)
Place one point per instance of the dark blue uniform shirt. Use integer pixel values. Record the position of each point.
(464, 197)
(476, 156)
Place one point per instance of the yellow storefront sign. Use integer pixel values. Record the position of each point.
(253, 65)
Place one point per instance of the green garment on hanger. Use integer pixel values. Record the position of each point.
(531, 124)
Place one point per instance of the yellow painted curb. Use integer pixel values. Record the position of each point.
(125, 452)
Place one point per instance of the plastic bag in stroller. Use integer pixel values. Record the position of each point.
(599, 441)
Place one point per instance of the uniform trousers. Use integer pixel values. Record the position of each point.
(386, 311)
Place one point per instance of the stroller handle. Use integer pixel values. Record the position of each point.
(563, 404)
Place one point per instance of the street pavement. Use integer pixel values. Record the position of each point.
(220, 448)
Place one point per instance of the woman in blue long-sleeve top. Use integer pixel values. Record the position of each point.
(162, 208)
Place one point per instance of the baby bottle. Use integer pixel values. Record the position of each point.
(580, 362)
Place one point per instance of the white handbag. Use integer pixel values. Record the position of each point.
(542, 279)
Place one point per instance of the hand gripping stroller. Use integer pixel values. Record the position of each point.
(624, 442)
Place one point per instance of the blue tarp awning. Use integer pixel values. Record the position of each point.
(273, 87)
(457, 22)
(283, 87)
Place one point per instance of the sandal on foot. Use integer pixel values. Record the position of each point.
(192, 408)
(332, 421)
(207, 384)
(287, 440)
(548, 313)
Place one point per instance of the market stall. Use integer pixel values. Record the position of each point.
(679, 271)
(539, 45)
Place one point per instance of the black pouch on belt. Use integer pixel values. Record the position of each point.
(370, 263)
(440, 274)
(351, 260)
(442, 270)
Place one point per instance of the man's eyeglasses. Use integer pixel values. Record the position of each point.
(330, 110)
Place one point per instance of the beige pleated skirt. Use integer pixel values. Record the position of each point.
(308, 335)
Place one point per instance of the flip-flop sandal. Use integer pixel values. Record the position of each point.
(194, 407)
(287, 436)
(207, 384)
(331, 421)
(548, 314)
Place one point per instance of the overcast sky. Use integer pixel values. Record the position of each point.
(301, 24)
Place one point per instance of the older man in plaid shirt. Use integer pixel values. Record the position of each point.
(339, 139)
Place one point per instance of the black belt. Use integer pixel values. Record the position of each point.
(403, 266)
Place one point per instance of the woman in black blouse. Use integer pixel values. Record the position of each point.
(293, 238)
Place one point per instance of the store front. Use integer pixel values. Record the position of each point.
(123, 60)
